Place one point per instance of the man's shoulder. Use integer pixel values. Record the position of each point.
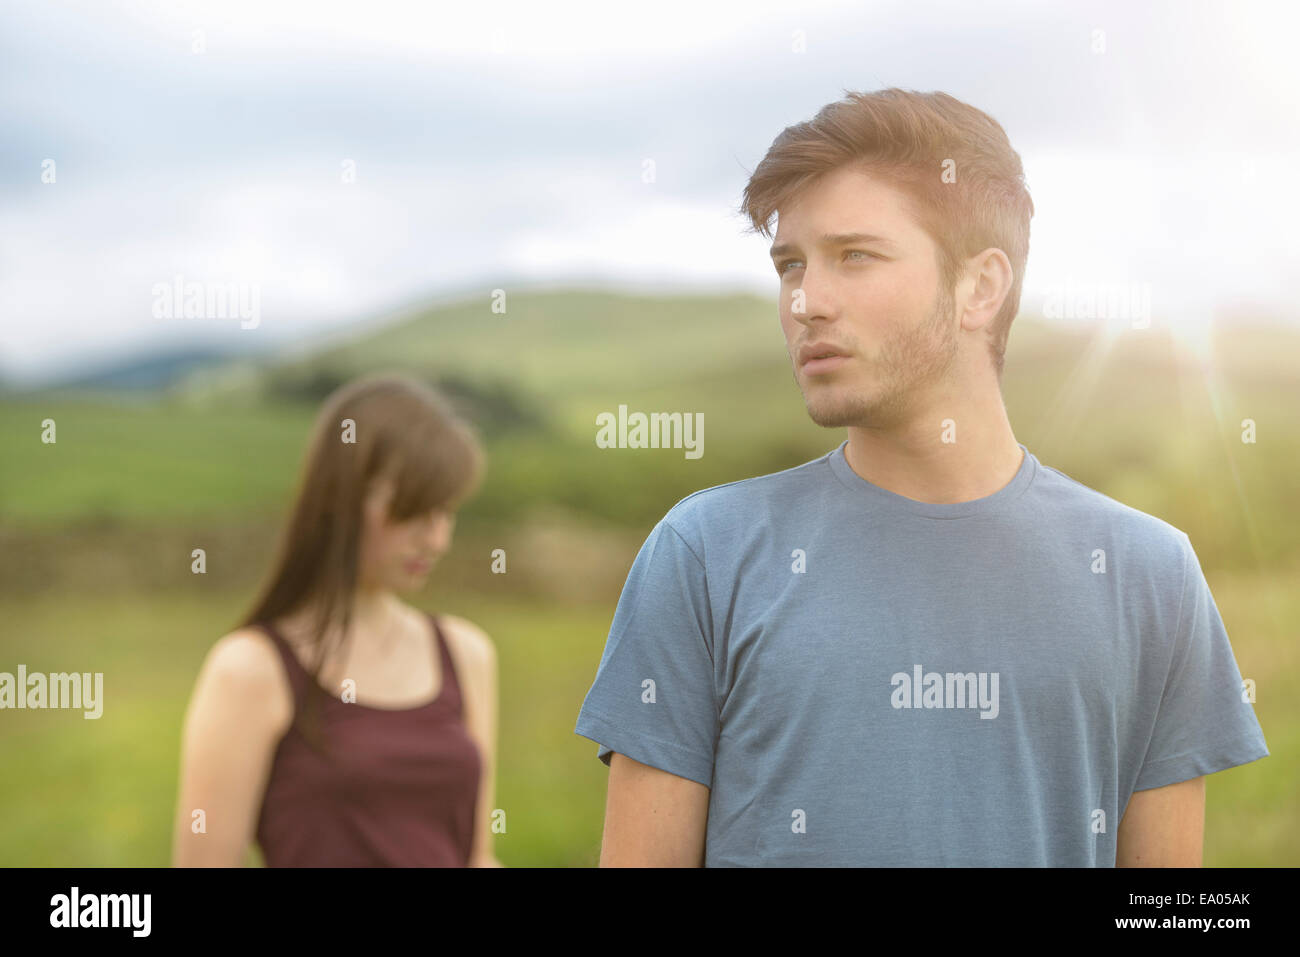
(1080, 506)
(744, 500)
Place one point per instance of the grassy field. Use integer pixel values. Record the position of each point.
(96, 532)
(103, 792)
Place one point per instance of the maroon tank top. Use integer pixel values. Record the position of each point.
(400, 790)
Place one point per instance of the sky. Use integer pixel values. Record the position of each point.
(345, 163)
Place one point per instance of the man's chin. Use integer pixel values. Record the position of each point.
(834, 416)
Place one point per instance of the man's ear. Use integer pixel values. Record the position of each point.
(988, 277)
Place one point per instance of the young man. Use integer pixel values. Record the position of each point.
(924, 648)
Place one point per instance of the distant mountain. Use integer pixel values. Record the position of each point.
(564, 342)
(513, 364)
(545, 343)
(147, 373)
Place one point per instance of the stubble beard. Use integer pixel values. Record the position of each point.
(881, 393)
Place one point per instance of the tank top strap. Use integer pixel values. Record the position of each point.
(451, 692)
(299, 679)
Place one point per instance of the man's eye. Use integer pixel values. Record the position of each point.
(781, 266)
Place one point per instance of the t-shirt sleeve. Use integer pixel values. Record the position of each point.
(653, 696)
(1205, 722)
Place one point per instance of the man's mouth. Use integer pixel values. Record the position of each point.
(820, 358)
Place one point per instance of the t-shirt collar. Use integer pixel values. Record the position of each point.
(979, 506)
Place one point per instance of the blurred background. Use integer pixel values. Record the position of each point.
(372, 177)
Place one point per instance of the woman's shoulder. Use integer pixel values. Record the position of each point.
(469, 642)
(246, 667)
(246, 652)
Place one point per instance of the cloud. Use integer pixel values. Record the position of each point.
(496, 144)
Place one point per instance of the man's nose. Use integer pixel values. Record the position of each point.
(817, 299)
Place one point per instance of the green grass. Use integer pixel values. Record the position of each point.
(103, 792)
(1131, 418)
(120, 461)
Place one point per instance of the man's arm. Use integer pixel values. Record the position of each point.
(652, 818)
(1163, 827)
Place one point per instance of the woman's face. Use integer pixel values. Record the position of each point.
(400, 554)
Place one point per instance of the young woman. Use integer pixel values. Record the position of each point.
(337, 726)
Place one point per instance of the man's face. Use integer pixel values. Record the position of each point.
(875, 302)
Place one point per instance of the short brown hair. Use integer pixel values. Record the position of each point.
(905, 137)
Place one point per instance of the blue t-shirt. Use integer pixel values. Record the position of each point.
(863, 679)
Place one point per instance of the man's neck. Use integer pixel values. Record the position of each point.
(926, 463)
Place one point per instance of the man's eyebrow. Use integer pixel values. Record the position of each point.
(833, 239)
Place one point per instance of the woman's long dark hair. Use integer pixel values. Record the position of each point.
(400, 429)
